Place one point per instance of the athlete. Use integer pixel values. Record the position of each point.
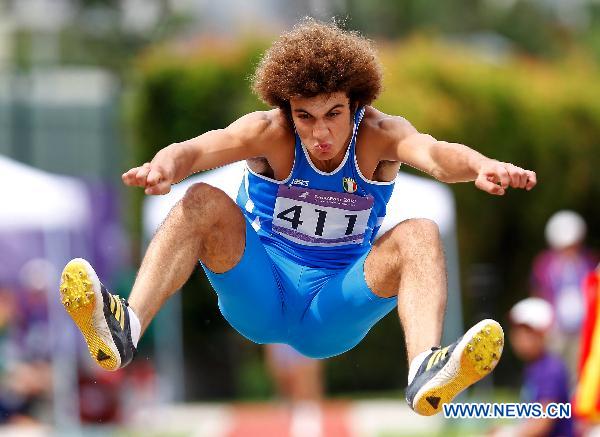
(294, 260)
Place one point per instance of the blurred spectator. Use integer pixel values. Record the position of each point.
(22, 382)
(557, 277)
(587, 394)
(298, 380)
(37, 277)
(545, 377)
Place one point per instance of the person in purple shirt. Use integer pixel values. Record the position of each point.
(557, 275)
(546, 378)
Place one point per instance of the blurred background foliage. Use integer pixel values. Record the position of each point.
(540, 114)
(516, 79)
(101, 32)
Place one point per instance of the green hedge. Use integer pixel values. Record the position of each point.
(541, 116)
(545, 117)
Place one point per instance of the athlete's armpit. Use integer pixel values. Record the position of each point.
(406, 144)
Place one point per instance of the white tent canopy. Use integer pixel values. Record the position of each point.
(32, 199)
(57, 206)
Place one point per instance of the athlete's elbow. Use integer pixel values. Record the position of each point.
(441, 175)
(438, 162)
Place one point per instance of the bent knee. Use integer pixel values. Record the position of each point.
(203, 196)
(422, 226)
(210, 205)
(419, 230)
(416, 236)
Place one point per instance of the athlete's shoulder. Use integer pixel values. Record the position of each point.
(270, 140)
(388, 127)
(381, 132)
(262, 127)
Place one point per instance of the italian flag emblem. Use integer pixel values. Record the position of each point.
(349, 185)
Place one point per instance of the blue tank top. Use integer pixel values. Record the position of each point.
(316, 218)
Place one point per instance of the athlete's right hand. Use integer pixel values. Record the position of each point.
(154, 178)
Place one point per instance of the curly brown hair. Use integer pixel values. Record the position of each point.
(318, 58)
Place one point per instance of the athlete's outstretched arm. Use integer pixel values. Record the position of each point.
(453, 162)
(244, 138)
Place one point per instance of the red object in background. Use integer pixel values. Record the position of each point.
(275, 420)
(586, 401)
(590, 290)
(108, 397)
(99, 397)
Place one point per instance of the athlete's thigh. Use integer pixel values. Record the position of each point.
(412, 247)
(250, 297)
(215, 223)
(341, 313)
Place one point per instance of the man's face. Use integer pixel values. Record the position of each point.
(527, 343)
(324, 123)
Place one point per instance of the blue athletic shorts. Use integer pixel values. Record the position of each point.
(319, 312)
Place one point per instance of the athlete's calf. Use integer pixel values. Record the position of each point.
(408, 260)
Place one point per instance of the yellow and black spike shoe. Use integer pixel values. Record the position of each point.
(101, 317)
(446, 372)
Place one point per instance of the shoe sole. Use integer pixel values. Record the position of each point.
(473, 358)
(81, 295)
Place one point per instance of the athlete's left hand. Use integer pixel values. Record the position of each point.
(495, 177)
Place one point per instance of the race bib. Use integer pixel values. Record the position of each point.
(321, 218)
